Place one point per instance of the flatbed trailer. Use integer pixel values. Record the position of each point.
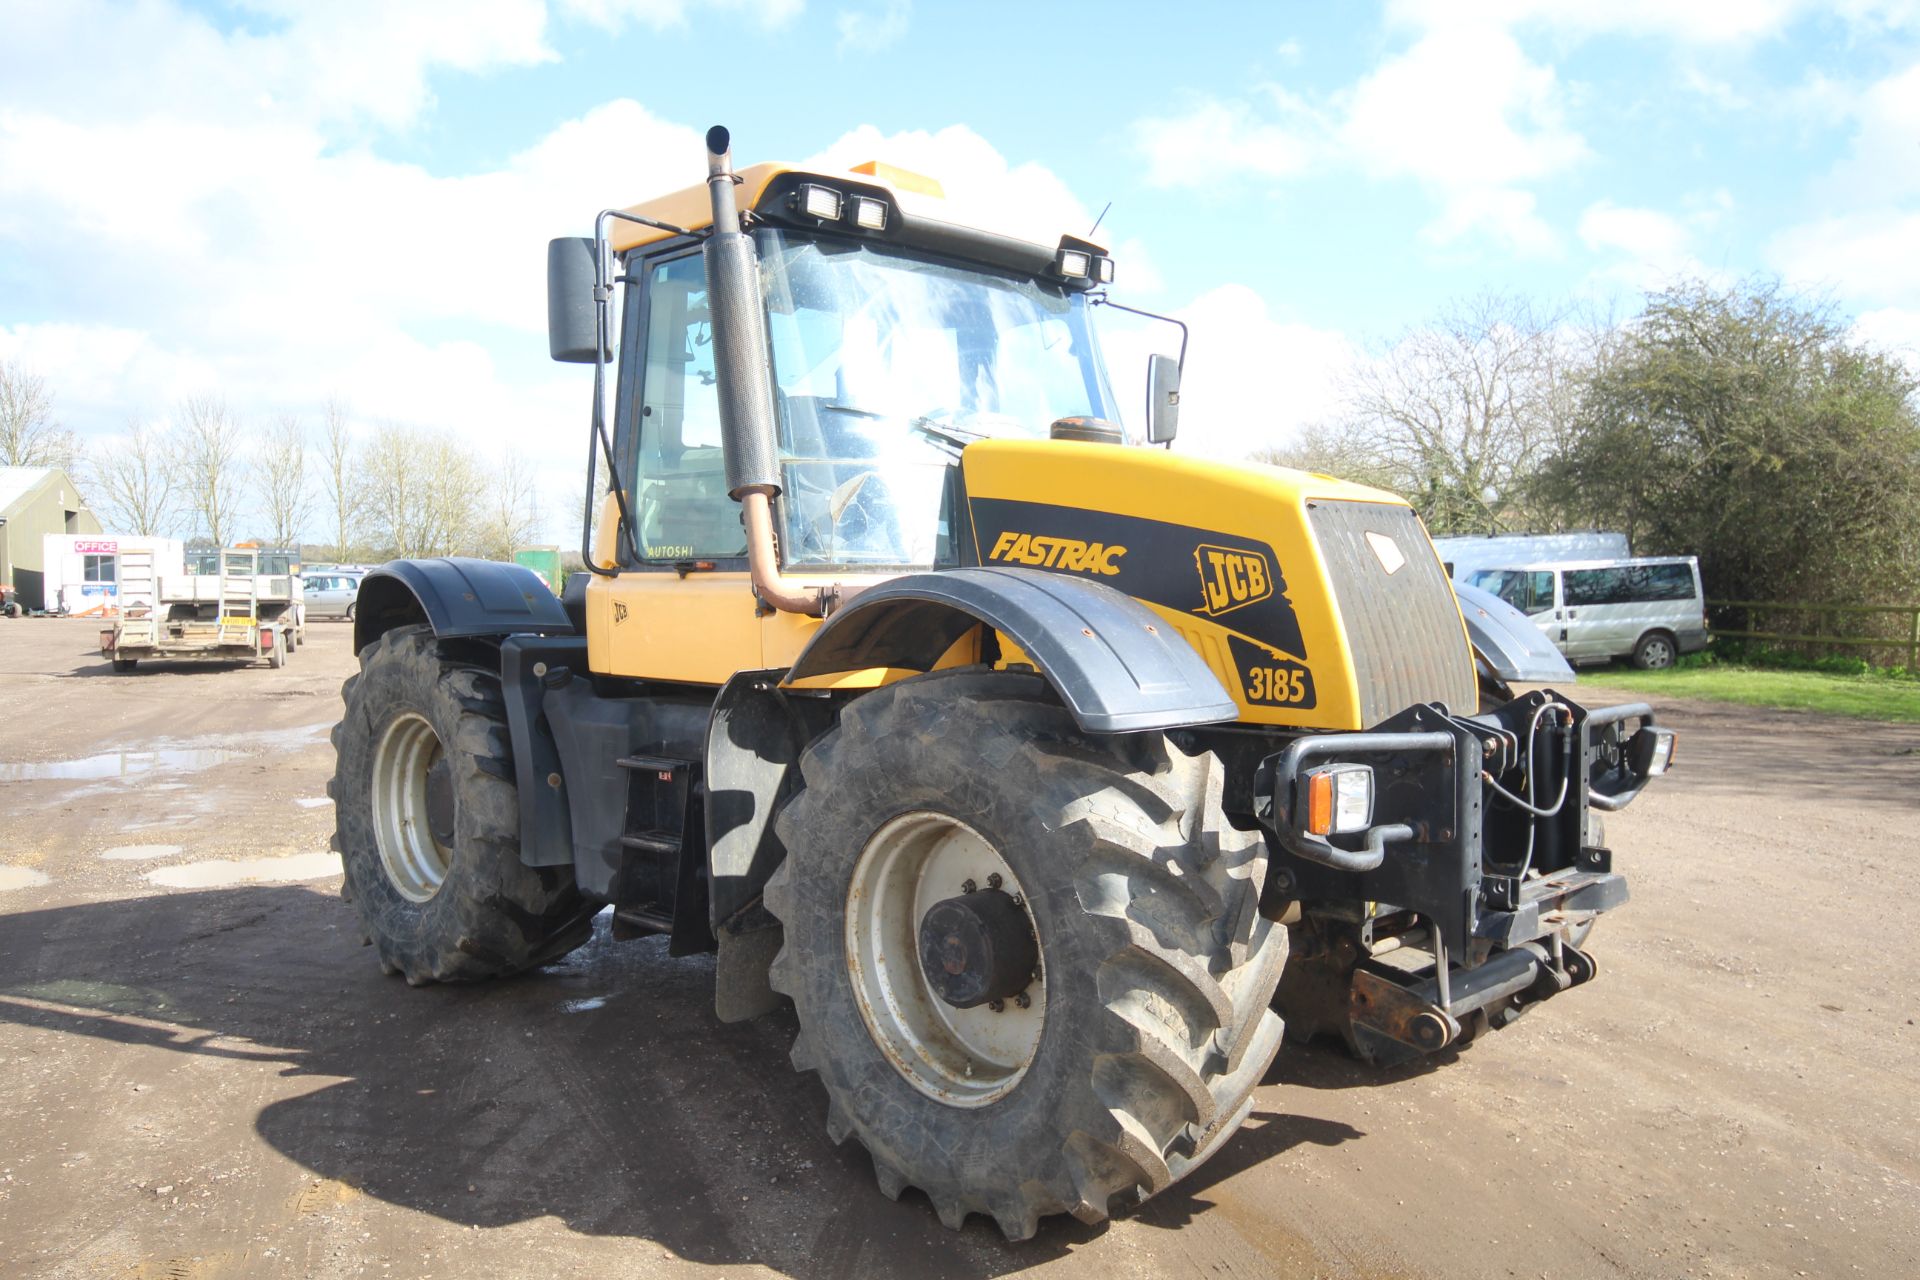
(237, 614)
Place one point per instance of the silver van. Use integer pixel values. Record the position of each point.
(1649, 609)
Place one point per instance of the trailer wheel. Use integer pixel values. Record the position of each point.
(427, 822)
(1028, 964)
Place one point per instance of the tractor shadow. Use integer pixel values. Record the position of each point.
(600, 1091)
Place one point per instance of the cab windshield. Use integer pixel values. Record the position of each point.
(884, 364)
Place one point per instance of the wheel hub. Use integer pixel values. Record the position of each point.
(413, 807)
(977, 948)
(948, 977)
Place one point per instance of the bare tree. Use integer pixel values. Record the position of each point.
(339, 474)
(1333, 449)
(213, 468)
(422, 490)
(281, 465)
(1461, 415)
(509, 511)
(135, 481)
(29, 435)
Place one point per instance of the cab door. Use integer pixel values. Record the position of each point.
(681, 607)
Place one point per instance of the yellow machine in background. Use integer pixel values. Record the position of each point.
(1018, 755)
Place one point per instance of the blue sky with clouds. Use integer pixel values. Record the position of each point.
(282, 200)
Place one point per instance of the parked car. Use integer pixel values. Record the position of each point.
(1648, 609)
(330, 594)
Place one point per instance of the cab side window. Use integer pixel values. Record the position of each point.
(680, 484)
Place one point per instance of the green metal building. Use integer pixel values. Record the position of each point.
(34, 502)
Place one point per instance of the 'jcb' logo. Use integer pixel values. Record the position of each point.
(1057, 553)
(1229, 579)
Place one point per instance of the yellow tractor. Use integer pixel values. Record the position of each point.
(1015, 752)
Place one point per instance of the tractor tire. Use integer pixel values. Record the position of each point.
(1656, 651)
(1132, 1055)
(427, 822)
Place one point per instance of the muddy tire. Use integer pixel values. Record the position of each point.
(427, 822)
(1155, 968)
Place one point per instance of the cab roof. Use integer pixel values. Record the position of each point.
(919, 197)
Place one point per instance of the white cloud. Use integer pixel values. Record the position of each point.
(867, 31)
(1892, 329)
(1466, 113)
(1883, 162)
(1691, 21)
(1185, 149)
(1870, 256)
(1869, 251)
(611, 15)
(344, 61)
(1644, 234)
(1463, 112)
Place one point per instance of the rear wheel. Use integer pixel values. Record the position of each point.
(428, 822)
(1028, 964)
(1655, 652)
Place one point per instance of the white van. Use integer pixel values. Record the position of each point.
(1649, 609)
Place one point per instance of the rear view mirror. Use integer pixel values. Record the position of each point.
(1163, 399)
(570, 311)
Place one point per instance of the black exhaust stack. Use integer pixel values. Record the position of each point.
(739, 336)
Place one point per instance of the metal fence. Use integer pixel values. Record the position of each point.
(1900, 635)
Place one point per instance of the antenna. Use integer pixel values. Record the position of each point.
(1102, 218)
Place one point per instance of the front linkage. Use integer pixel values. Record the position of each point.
(1441, 872)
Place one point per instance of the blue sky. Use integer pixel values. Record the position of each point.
(282, 201)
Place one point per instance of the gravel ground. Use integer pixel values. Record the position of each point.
(206, 1075)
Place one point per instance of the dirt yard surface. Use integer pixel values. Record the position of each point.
(204, 1074)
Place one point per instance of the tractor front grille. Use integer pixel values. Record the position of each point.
(1402, 623)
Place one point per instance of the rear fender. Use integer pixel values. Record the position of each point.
(456, 596)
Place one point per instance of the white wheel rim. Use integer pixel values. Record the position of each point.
(415, 862)
(962, 1057)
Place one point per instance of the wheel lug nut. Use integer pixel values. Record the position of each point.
(993, 881)
(997, 1006)
(968, 886)
(1023, 1000)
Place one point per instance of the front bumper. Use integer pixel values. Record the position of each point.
(1483, 857)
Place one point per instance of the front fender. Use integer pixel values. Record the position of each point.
(456, 596)
(1117, 665)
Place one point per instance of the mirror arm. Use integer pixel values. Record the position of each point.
(1102, 300)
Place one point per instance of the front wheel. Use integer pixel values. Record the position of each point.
(1027, 963)
(428, 822)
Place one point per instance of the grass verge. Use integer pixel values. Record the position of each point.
(1893, 699)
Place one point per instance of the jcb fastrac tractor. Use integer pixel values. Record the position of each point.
(1016, 753)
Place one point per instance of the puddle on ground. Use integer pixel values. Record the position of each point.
(21, 878)
(586, 1005)
(221, 873)
(139, 852)
(165, 757)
